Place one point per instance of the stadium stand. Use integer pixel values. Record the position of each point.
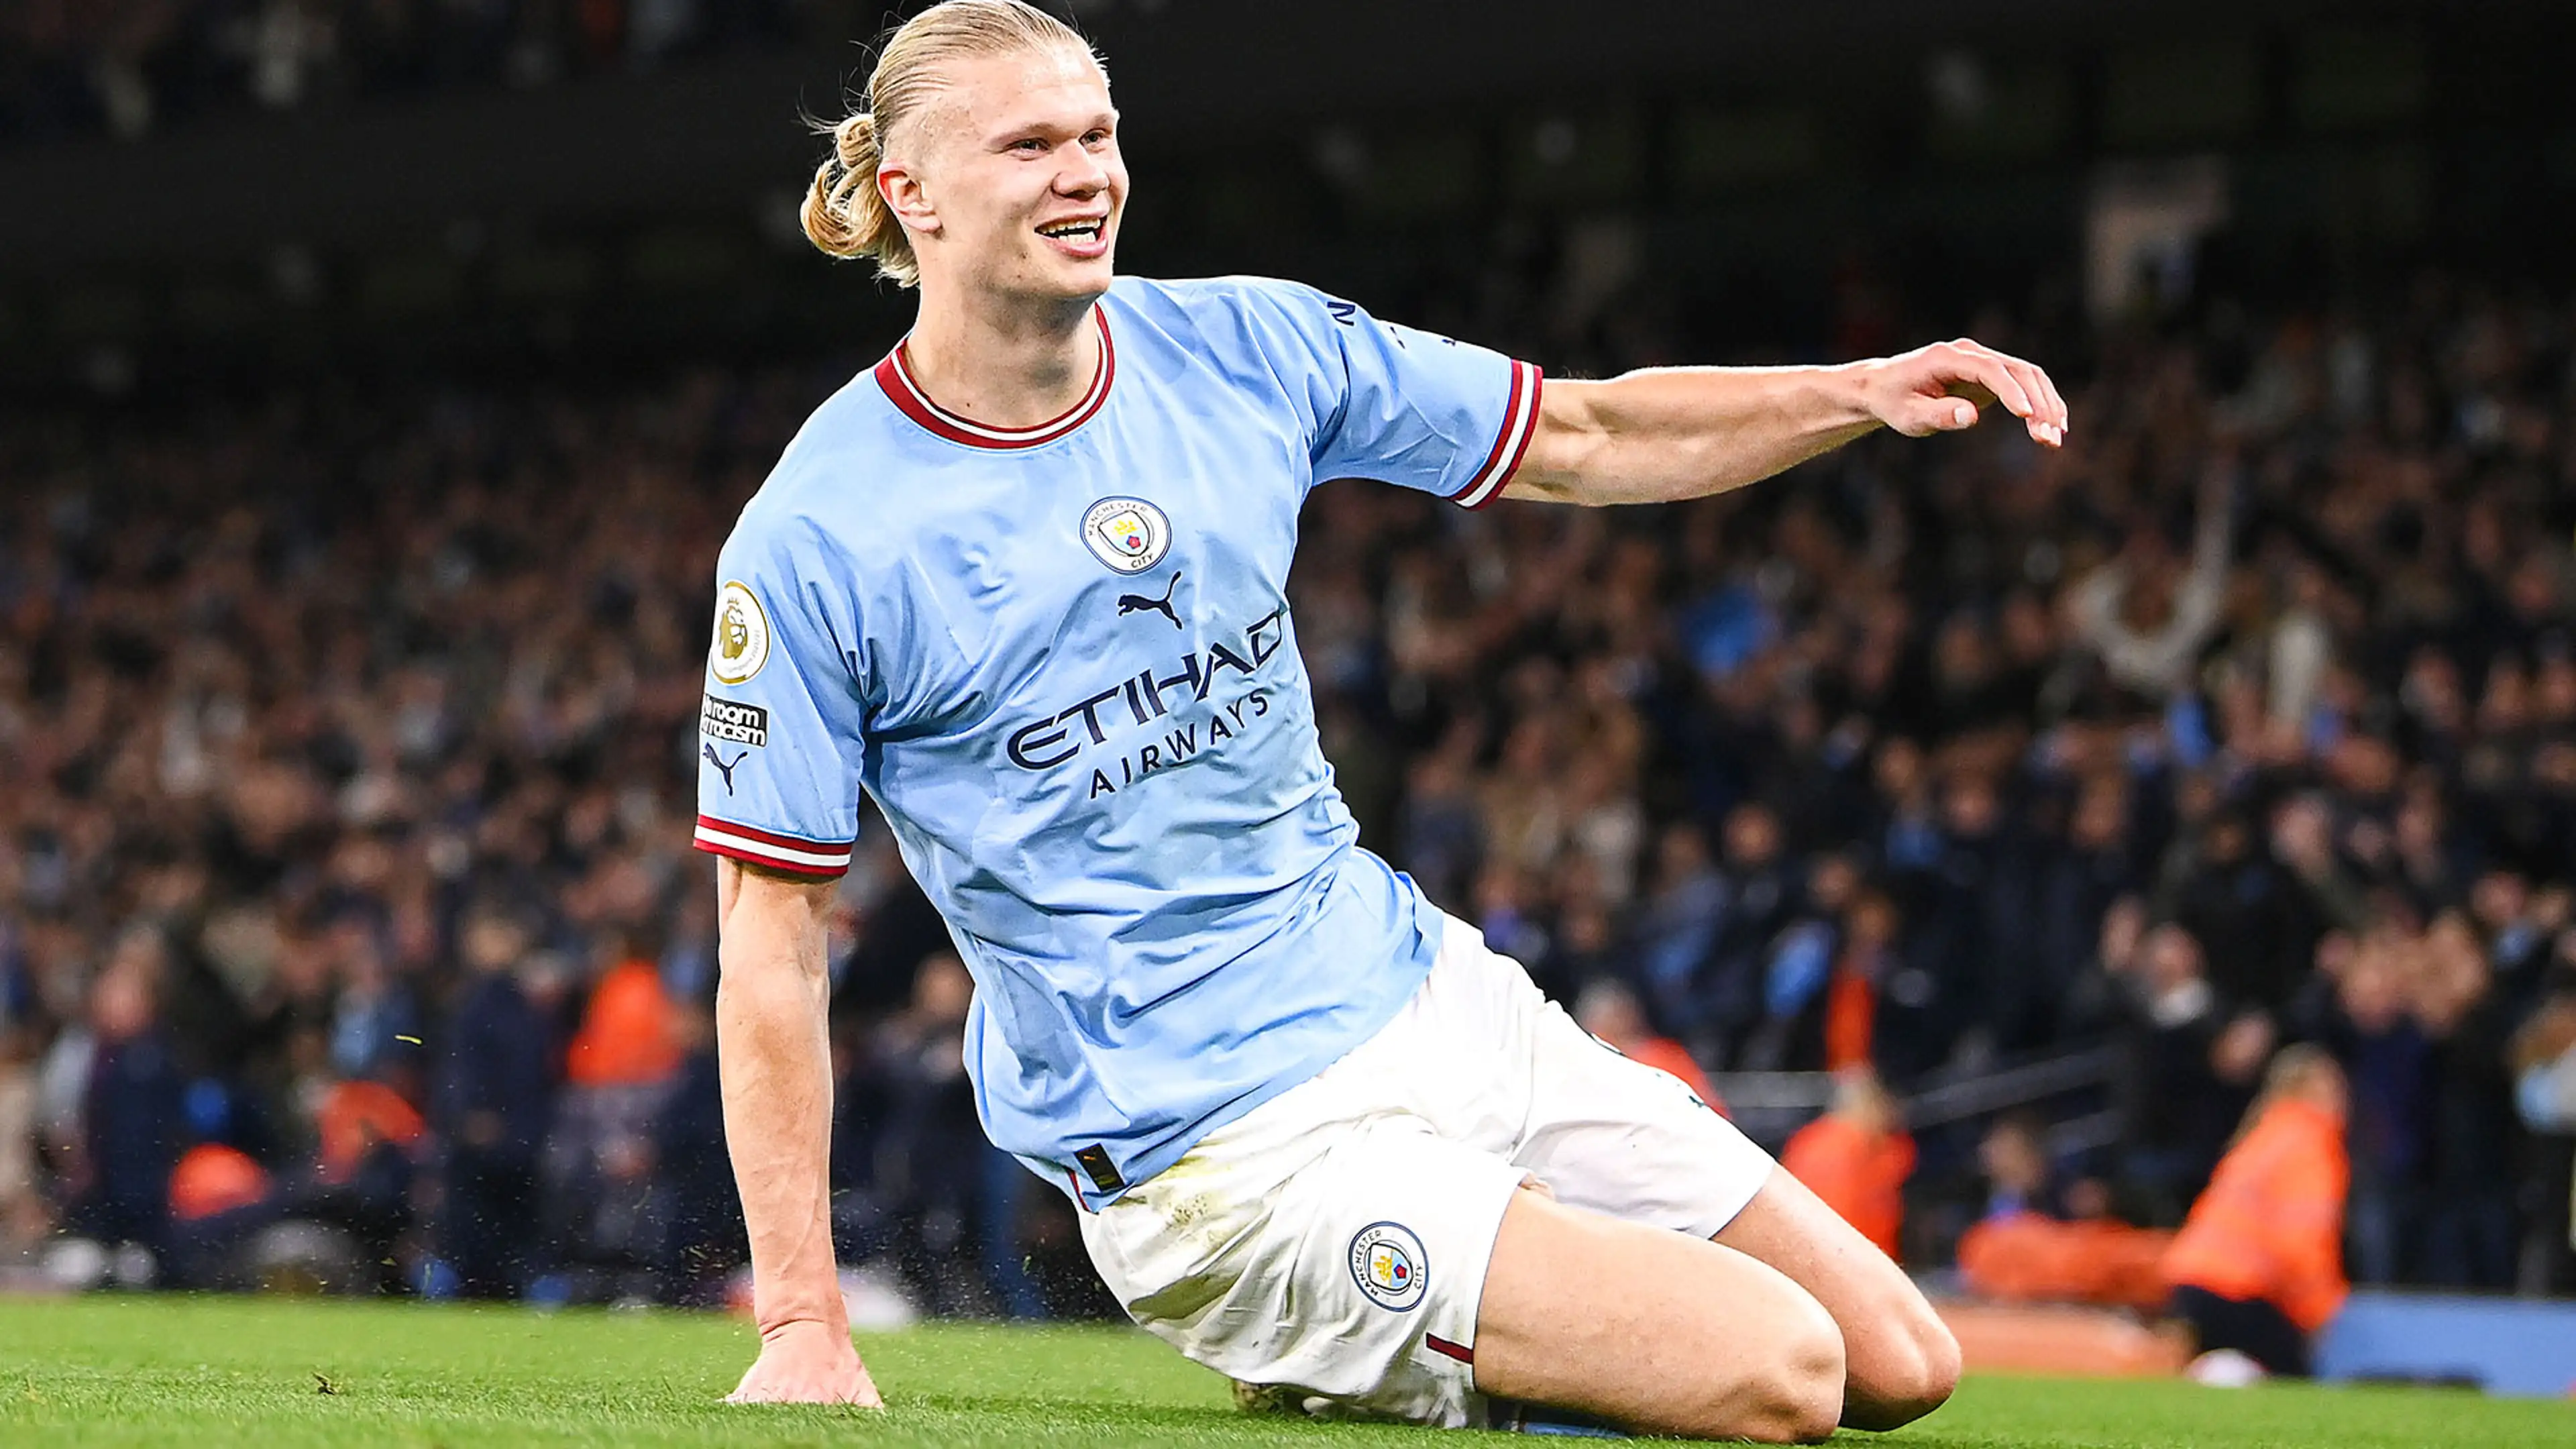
(2251, 721)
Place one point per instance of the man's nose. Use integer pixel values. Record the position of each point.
(1084, 175)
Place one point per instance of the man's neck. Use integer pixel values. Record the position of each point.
(1009, 365)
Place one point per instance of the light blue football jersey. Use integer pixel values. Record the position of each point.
(1061, 661)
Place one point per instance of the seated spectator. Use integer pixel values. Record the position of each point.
(2257, 1269)
(368, 1143)
(219, 1197)
(354, 1119)
(212, 1179)
(1856, 1158)
(2019, 1177)
(2039, 1243)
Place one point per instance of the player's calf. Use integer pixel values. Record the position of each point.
(1653, 1330)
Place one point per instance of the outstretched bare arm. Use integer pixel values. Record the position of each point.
(771, 1043)
(1682, 432)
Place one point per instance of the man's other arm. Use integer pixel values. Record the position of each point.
(1663, 434)
(774, 1054)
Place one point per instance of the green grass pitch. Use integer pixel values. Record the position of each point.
(203, 1372)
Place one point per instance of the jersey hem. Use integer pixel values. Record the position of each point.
(1511, 443)
(1150, 1165)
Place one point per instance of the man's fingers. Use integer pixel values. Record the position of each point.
(2042, 418)
(1957, 377)
(1920, 417)
(2058, 419)
(2027, 391)
(1992, 371)
(2056, 400)
(2047, 413)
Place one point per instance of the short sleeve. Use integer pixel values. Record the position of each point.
(780, 733)
(1398, 404)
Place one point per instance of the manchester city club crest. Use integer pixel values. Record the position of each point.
(1388, 1263)
(1130, 535)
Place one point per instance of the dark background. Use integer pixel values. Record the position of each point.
(388, 223)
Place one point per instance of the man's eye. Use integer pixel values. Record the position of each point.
(1096, 138)
(1031, 145)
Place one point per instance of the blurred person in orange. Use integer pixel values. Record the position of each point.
(212, 1178)
(354, 1117)
(630, 1032)
(1857, 1157)
(2041, 1242)
(2257, 1269)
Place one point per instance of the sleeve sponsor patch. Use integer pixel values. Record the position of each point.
(727, 719)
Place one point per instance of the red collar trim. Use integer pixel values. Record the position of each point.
(905, 392)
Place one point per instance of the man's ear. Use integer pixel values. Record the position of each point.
(902, 191)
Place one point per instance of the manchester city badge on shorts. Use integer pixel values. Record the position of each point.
(742, 635)
(1128, 534)
(1388, 1263)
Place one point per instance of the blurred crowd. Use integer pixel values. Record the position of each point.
(346, 759)
(348, 762)
(130, 67)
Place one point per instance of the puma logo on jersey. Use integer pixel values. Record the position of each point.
(1138, 603)
(723, 766)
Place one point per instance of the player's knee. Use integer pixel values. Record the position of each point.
(1941, 1364)
(1914, 1372)
(1808, 1398)
(1797, 1397)
(1934, 1371)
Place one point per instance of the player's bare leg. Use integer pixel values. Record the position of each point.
(1654, 1330)
(1900, 1361)
(776, 1063)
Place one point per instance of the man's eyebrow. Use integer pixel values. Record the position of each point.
(1031, 126)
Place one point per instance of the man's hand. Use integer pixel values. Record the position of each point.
(1940, 388)
(805, 1362)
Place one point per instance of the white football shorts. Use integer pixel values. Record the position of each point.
(1335, 1238)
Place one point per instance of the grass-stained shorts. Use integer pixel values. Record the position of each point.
(1335, 1238)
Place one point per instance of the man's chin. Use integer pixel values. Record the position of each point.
(1064, 282)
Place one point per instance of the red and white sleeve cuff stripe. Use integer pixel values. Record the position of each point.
(767, 847)
(1520, 424)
